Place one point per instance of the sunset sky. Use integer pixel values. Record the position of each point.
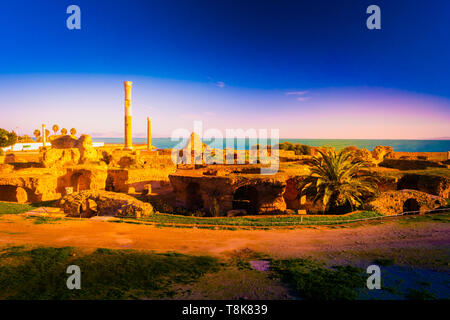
(309, 68)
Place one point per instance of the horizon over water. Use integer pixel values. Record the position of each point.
(399, 145)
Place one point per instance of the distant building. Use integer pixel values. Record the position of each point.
(30, 146)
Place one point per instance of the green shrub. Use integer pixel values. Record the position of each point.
(313, 281)
(7, 138)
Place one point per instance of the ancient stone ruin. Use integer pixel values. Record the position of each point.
(395, 202)
(103, 203)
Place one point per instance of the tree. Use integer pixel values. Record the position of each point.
(55, 128)
(63, 131)
(37, 134)
(73, 131)
(7, 138)
(47, 133)
(337, 181)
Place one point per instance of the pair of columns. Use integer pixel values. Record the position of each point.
(128, 133)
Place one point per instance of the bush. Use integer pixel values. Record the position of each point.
(7, 138)
(300, 149)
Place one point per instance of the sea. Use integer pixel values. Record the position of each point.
(241, 144)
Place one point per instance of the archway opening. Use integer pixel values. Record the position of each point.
(246, 198)
(79, 182)
(194, 199)
(411, 205)
(13, 194)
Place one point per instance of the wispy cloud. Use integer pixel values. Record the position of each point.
(220, 84)
(298, 93)
(301, 95)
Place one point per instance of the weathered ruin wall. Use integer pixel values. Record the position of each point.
(400, 164)
(210, 192)
(83, 177)
(437, 156)
(38, 186)
(188, 188)
(155, 173)
(395, 202)
(436, 185)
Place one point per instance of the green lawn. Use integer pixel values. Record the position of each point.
(313, 281)
(40, 273)
(15, 208)
(262, 221)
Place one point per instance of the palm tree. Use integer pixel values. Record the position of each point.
(63, 131)
(338, 181)
(37, 134)
(73, 131)
(55, 128)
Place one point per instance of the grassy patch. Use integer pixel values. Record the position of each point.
(443, 218)
(163, 218)
(241, 258)
(16, 208)
(384, 262)
(422, 294)
(313, 281)
(43, 220)
(105, 273)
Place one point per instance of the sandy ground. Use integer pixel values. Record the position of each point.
(84, 233)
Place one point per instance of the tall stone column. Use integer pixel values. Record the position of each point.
(149, 134)
(44, 138)
(128, 137)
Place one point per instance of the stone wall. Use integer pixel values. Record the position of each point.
(436, 185)
(39, 186)
(207, 192)
(395, 202)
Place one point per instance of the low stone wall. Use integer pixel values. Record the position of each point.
(39, 185)
(436, 185)
(405, 164)
(103, 203)
(395, 202)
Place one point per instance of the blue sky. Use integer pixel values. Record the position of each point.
(269, 64)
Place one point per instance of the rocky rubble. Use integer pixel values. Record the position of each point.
(67, 150)
(103, 203)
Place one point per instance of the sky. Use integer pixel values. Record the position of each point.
(311, 69)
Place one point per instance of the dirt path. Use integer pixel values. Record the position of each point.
(15, 229)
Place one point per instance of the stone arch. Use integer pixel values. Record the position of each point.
(246, 198)
(109, 183)
(291, 195)
(194, 199)
(13, 194)
(80, 181)
(411, 204)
